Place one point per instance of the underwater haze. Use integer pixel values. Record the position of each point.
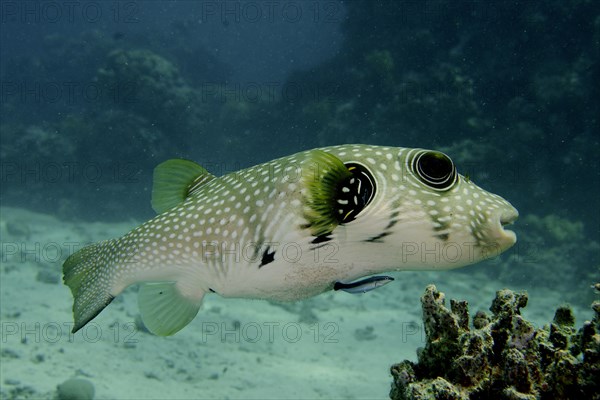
(95, 94)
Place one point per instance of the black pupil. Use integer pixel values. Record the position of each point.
(354, 193)
(435, 166)
(436, 170)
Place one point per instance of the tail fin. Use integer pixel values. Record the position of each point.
(87, 274)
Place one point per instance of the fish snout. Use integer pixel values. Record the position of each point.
(503, 218)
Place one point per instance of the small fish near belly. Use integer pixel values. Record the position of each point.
(289, 229)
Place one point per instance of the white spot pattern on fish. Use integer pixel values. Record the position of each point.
(289, 229)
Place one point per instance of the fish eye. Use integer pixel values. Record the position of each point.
(354, 193)
(435, 169)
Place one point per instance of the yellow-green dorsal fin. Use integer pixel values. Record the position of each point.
(322, 176)
(174, 181)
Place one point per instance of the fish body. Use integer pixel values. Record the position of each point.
(290, 229)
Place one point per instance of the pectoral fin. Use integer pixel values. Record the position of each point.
(165, 310)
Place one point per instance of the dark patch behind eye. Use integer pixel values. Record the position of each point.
(354, 193)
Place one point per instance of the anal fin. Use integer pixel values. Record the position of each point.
(165, 310)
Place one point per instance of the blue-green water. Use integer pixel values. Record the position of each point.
(95, 94)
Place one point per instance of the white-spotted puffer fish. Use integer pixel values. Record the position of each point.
(289, 229)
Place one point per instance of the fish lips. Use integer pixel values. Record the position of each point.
(506, 237)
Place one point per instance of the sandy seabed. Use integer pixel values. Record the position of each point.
(336, 345)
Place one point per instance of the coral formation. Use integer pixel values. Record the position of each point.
(503, 356)
(150, 86)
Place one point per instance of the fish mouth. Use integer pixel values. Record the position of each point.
(508, 217)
